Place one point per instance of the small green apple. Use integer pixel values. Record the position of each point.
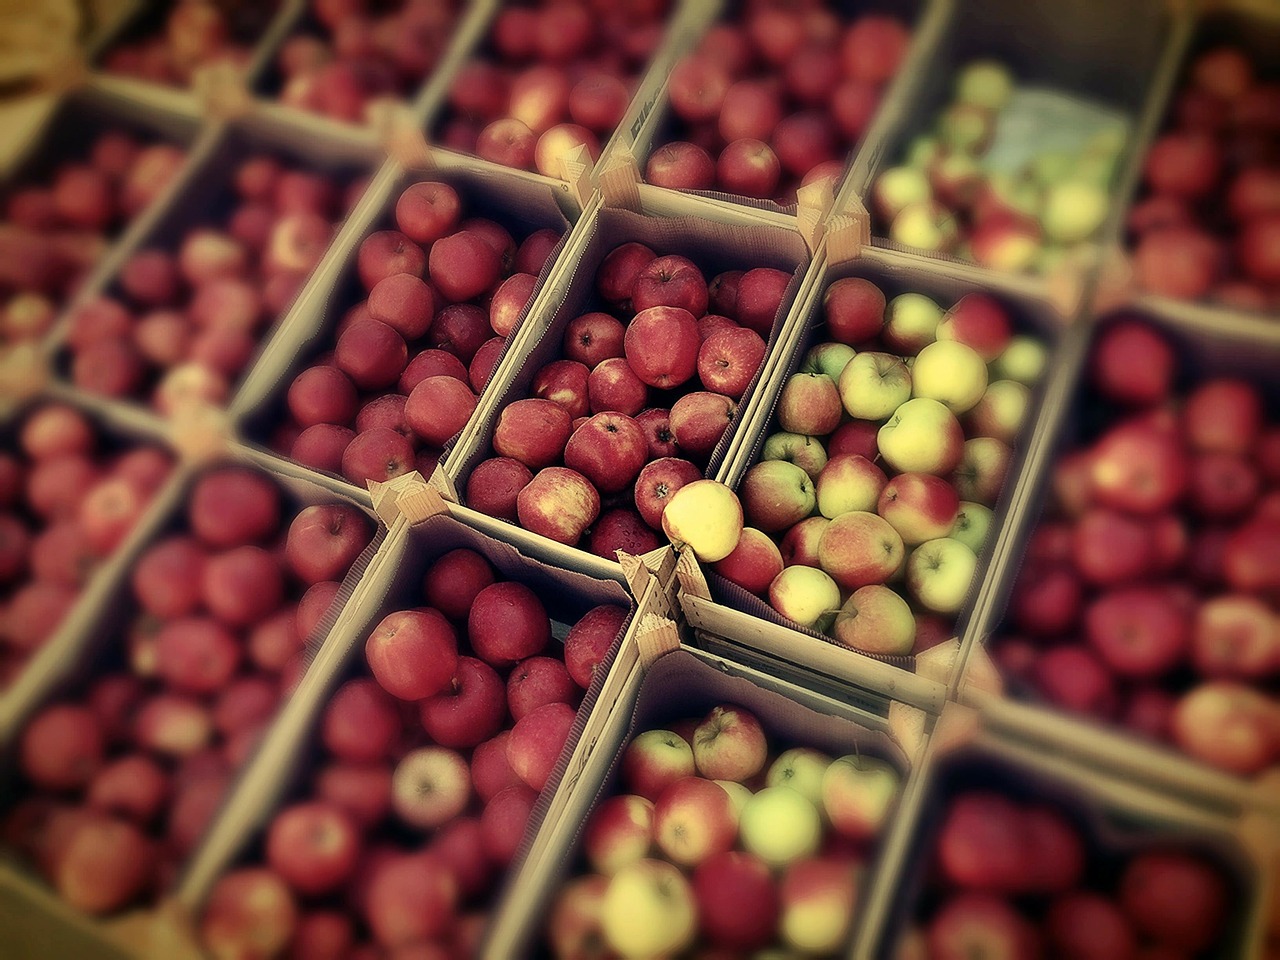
(873, 385)
(985, 83)
(911, 322)
(897, 187)
(1022, 360)
(807, 453)
(649, 910)
(1074, 210)
(973, 522)
(951, 372)
(806, 595)
(800, 768)
(829, 358)
(939, 574)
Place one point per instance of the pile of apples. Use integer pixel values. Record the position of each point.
(352, 51)
(119, 782)
(411, 359)
(554, 75)
(725, 845)
(865, 516)
(55, 231)
(182, 324)
(67, 500)
(943, 199)
(634, 408)
(1209, 221)
(430, 771)
(776, 99)
(193, 34)
(1020, 879)
(1150, 593)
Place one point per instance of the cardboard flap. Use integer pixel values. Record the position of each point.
(847, 233)
(222, 90)
(908, 725)
(441, 480)
(166, 933)
(619, 179)
(575, 168)
(939, 663)
(655, 637)
(813, 205)
(980, 675)
(386, 494)
(397, 129)
(957, 727)
(692, 581)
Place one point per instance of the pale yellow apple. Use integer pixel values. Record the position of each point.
(705, 516)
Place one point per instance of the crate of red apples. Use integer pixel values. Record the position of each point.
(418, 758)
(386, 361)
(1146, 598)
(1015, 852)
(1205, 221)
(767, 98)
(630, 381)
(725, 810)
(135, 737)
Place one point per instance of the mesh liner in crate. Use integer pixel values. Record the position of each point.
(687, 683)
(735, 239)
(1077, 416)
(1117, 821)
(782, 637)
(522, 207)
(101, 650)
(280, 769)
(207, 198)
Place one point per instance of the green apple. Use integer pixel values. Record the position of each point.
(966, 128)
(1074, 210)
(780, 826)
(985, 83)
(951, 372)
(828, 357)
(738, 793)
(807, 453)
(973, 522)
(857, 792)
(1052, 166)
(806, 595)
(911, 322)
(939, 574)
(848, 482)
(801, 769)
(705, 516)
(1001, 411)
(923, 150)
(1022, 360)
(873, 385)
(897, 187)
(876, 620)
(925, 225)
(648, 910)
(922, 436)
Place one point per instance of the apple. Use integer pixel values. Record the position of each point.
(922, 436)
(737, 901)
(808, 453)
(898, 187)
(413, 653)
(818, 903)
(313, 846)
(873, 385)
(876, 620)
(558, 503)
(1228, 725)
(248, 908)
(706, 516)
(470, 710)
(609, 449)
(753, 563)
(848, 483)
(780, 826)
(807, 595)
(927, 226)
(694, 819)
(648, 910)
(661, 343)
(775, 494)
(699, 420)
(729, 744)
(655, 759)
(829, 357)
(919, 506)
(951, 372)
(857, 793)
(939, 574)
(1175, 898)
(619, 832)
(860, 548)
(981, 924)
(1136, 631)
(573, 925)
(911, 323)
(411, 896)
(1235, 636)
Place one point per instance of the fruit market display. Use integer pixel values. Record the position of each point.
(121, 776)
(69, 495)
(348, 54)
(1149, 593)
(866, 513)
(1020, 877)
(443, 293)
(774, 98)
(430, 767)
(1206, 223)
(948, 196)
(259, 702)
(550, 78)
(181, 323)
(721, 840)
(59, 224)
(643, 389)
(171, 45)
